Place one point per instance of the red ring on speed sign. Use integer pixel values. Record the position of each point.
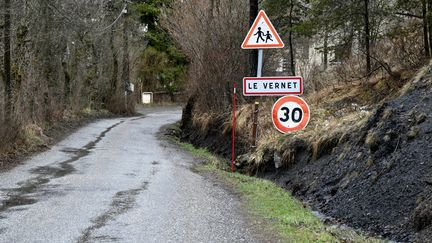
(290, 114)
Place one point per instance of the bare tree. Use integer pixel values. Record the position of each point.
(211, 33)
(62, 57)
(367, 38)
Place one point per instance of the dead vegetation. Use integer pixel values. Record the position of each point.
(337, 112)
(341, 96)
(62, 59)
(214, 33)
(23, 141)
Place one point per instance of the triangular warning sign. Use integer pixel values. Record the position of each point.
(262, 35)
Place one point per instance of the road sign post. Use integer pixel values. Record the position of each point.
(260, 62)
(262, 35)
(290, 113)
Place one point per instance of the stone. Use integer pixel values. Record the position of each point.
(413, 132)
(421, 118)
(277, 160)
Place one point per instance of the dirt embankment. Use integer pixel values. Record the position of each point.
(377, 176)
(209, 132)
(379, 179)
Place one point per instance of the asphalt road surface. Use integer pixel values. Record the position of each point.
(114, 181)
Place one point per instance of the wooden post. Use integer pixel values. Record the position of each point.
(255, 125)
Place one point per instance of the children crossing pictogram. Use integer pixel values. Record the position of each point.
(269, 37)
(262, 35)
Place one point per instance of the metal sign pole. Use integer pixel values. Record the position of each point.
(256, 106)
(260, 63)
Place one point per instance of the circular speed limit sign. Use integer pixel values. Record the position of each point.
(290, 114)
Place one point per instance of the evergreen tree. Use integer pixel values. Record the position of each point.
(164, 65)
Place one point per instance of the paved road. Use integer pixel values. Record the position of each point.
(114, 181)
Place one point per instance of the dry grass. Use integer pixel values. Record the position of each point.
(34, 135)
(335, 113)
(203, 121)
(25, 139)
(419, 76)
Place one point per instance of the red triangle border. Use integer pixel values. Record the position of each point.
(263, 15)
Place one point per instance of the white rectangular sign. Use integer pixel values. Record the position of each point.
(273, 86)
(147, 98)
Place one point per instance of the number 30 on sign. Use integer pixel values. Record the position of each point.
(290, 114)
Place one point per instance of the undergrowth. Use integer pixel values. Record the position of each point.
(29, 138)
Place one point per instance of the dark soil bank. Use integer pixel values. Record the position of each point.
(378, 178)
(211, 138)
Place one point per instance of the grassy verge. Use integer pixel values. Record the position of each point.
(280, 211)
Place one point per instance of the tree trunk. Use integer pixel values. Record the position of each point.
(367, 39)
(325, 58)
(7, 62)
(290, 40)
(254, 53)
(114, 77)
(429, 22)
(46, 58)
(67, 76)
(425, 29)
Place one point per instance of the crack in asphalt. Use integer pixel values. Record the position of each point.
(21, 196)
(139, 118)
(122, 202)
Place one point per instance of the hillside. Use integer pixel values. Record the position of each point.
(378, 176)
(367, 166)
